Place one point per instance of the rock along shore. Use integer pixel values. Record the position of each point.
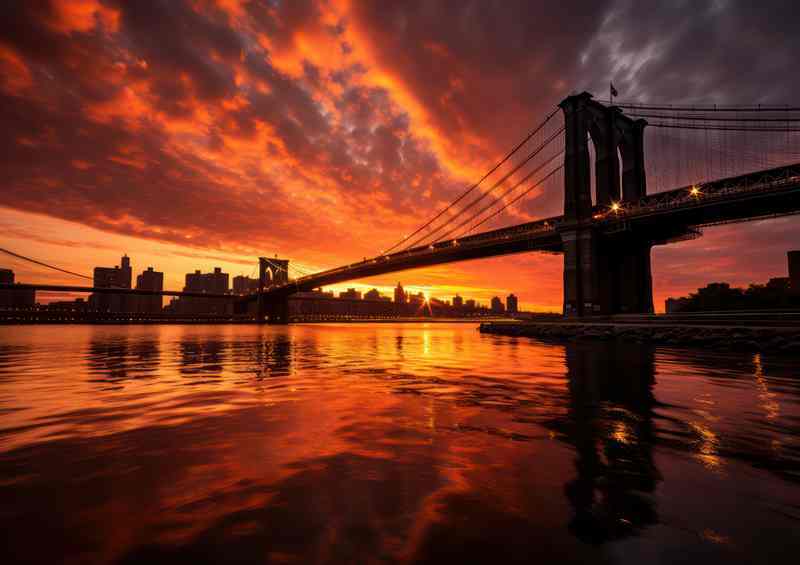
(783, 339)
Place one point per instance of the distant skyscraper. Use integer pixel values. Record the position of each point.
(372, 294)
(511, 304)
(458, 302)
(350, 294)
(150, 280)
(244, 285)
(497, 305)
(399, 294)
(211, 283)
(112, 277)
(470, 304)
(215, 283)
(15, 298)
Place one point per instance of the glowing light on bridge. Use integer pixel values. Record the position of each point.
(694, 191)
(615, 207)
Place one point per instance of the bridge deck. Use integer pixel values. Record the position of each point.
(658, 217)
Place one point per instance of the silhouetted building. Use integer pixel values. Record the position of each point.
(323, 305)
(673, 305)
(497, 305)
(244, 285)
(113, 277)
(15, 298)
(372, 294)
(77, 305)
(350, 294)
(470, 304)
(458, 302)
(399, 294)
(210, 283)
(416, 299)
(794, 270)
(149, 280)
(216, 282)
(512, 306)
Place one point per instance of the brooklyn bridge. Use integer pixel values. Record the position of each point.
(746, 160)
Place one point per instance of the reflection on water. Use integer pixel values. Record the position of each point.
(610, 424)
(389, 443)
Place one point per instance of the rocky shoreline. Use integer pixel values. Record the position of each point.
(782, 339)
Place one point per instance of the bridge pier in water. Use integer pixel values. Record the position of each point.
(603, 273)
(278, 311)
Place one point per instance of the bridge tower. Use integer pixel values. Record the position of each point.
(603, 273)
(272, 272)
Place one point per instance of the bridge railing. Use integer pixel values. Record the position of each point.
(704, 193)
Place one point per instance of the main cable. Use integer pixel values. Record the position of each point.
(29, 259)
(474, 186)
(531, 155)
(713, 108)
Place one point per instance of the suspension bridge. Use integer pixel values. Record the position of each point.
(730, 164)
(711, 165)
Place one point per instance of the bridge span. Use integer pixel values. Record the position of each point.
(655, 219)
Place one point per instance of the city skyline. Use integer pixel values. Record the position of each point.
(360, 122)
(217, 281)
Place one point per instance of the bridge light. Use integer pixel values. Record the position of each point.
(694, 191)
(615, 206)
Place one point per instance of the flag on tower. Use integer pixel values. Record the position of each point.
(613, 90)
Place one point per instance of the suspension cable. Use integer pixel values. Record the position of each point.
(24, 258)
(523, 194)
(531, 155)
(768, 129)
(474, 186)
(499, 198)
(712, 118)
(712, 108)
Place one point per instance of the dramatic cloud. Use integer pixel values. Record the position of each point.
(324, 131)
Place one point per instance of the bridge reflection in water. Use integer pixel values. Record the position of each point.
(392, 443)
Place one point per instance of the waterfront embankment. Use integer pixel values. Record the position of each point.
(771, 336)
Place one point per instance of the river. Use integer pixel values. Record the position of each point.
(390, 443)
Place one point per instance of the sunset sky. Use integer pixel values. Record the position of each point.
(201, 133)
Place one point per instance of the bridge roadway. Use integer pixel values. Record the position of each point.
(659, 217)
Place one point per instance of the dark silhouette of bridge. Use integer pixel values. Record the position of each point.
(606, 243)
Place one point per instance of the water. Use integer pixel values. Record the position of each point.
(389, 443)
